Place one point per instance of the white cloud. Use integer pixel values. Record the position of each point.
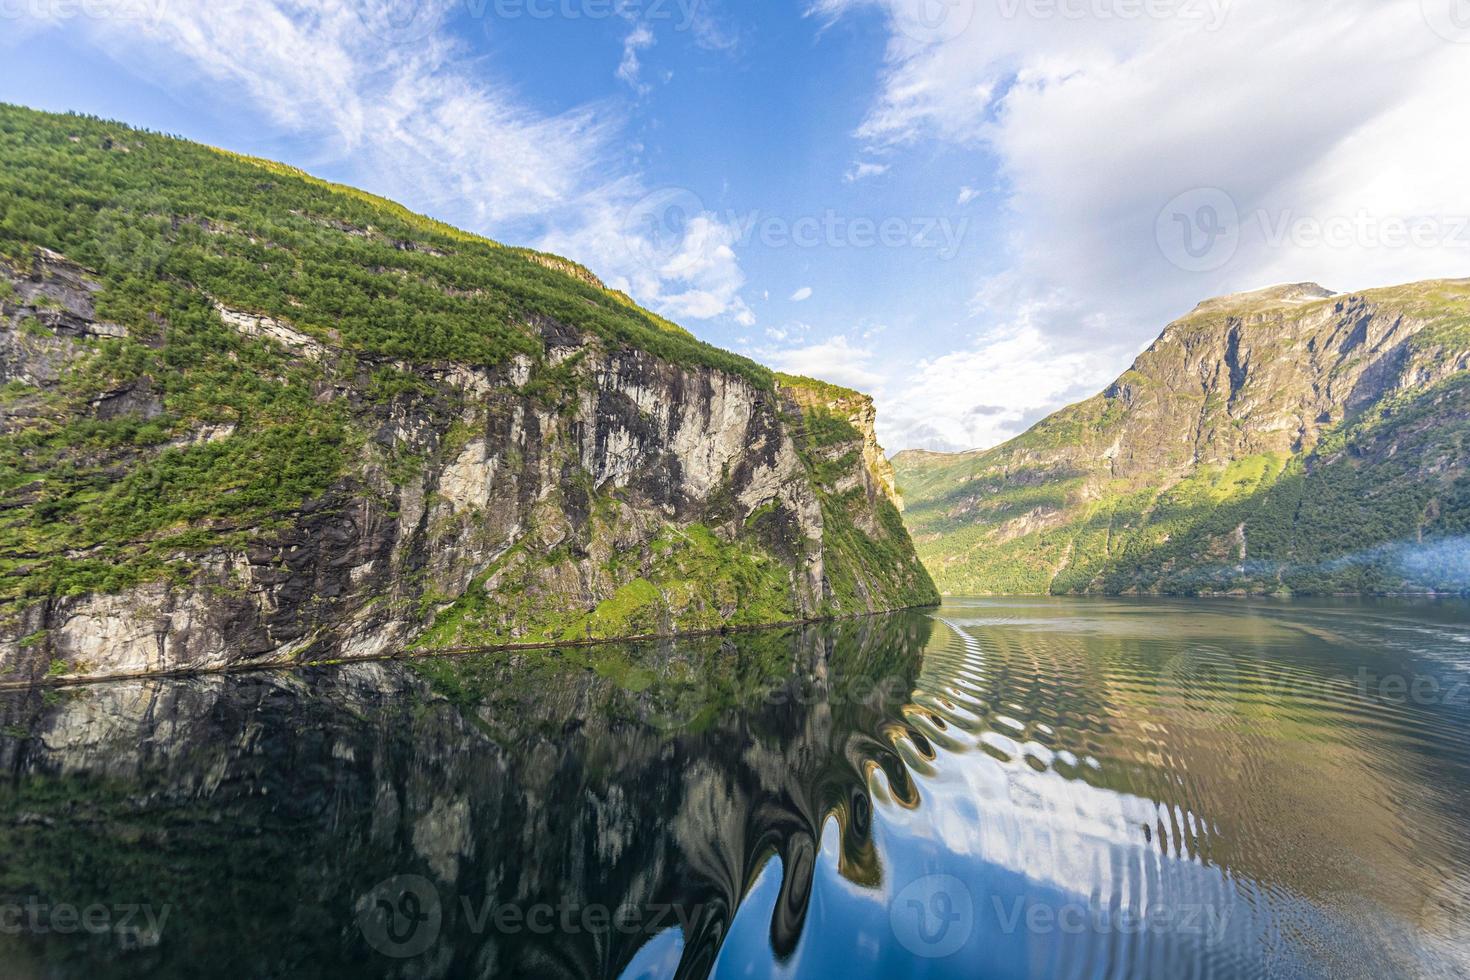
(1002, 382)
(791, 331)
(685, 267)
(836, 360)
(802, 295)
(967, 194)
(704, 18)
(640, 39)
(379, 82)
(1007, 380)
(863, 170)
(1351, 114)
(416, 119)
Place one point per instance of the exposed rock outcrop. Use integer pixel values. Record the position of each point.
(591, 492)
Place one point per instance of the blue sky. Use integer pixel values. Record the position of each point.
(977, 210)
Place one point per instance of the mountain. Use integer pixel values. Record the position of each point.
(1287, 440)
(247, 415)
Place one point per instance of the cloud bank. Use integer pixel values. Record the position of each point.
(1155, 153)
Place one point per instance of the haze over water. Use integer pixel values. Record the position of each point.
(997, 788)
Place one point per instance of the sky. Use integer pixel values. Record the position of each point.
(978, 211)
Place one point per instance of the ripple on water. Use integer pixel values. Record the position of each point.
(1129, 788)
(1107, 769)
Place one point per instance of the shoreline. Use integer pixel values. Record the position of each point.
(44, 682)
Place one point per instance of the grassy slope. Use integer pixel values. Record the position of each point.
(1042, 514)
(171, 228)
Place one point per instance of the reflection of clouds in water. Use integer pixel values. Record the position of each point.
(1009, 809)
(1024, 796)
(1034, 762)
(1056, 830)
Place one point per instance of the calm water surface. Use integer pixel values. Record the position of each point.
(998, 788)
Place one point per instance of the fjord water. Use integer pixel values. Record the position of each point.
(997, 788)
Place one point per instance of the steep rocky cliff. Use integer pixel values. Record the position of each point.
(1288, 439)
(249, 416)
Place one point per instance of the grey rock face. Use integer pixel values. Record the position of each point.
(539, 485)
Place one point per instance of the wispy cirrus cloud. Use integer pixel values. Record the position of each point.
(639, 39)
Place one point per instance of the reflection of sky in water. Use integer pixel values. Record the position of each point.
(1062, 876)
(1134, 788)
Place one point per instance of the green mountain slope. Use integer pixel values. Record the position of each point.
(248, 413)
(1284, 440)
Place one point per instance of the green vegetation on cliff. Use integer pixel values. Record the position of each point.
(1282, 441)
(293, 400)
(867, 550)
(171, 228)
(157, 216)
(691, 582)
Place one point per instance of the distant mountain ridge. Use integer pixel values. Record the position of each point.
(1289, 439)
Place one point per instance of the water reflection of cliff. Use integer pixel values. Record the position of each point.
(264, 809)
(1123, 756)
